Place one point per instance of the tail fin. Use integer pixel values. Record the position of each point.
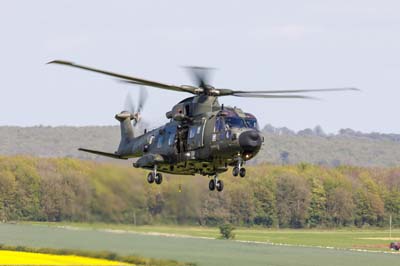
(126, 128)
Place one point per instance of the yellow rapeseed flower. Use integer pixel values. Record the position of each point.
(16, 257)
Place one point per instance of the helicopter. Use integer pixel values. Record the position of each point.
(202, 136)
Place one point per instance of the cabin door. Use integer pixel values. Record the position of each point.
(195, 138)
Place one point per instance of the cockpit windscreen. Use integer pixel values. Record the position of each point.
(233, 121)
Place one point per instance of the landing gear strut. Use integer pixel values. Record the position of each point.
(215, 183)
(239, 169)
(153, 176)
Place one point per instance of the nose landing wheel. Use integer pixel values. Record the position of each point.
(235, 171)
(239, 169)
(242, 172)
(153, 176)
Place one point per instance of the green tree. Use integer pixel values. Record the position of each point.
(340, 206)
(292, 200)
(317, 208)
(7, 195)
(264, 201)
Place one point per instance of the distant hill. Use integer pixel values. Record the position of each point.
(347, 147)
(62, 141)
(282, 145)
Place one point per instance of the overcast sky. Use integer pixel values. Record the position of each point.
(252, 44)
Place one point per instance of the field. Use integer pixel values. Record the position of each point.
(167, 244)
(27, 258)
(369, 239)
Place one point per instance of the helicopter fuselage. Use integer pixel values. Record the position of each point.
(202, 137)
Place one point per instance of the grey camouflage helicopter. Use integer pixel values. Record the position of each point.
(201, 137)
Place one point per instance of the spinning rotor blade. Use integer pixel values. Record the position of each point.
(129, 106)
(128, 79)
(200, 75)
(142, 98)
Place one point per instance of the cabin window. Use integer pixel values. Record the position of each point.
(187, 109)
(219, 125)
(192, 132)
(151, 139)
(171, 139)
(160, 141)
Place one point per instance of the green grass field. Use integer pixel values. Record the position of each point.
(207, 251)
(370, 239)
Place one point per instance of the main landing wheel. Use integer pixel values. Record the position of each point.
(158, 178)
(220, 185)
(215, 183)
(150, 178)
(211, 185)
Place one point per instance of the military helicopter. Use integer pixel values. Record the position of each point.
(201, 137)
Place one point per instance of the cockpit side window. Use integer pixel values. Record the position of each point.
(252, 123)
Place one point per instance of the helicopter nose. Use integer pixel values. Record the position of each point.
(250, 141)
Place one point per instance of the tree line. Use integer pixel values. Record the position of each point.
(284, 196)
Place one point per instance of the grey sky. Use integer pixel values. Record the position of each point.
(253, 45)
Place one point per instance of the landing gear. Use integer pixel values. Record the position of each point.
(239, 169)
(153, 176)
(150, 178)
(158, 178)
(211, 185)
(219, 185)
(215, 183)
(235, 171)
(242, 172)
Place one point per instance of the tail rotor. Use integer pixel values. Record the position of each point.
(130, 107)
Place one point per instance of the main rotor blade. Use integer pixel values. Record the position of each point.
(183, 88)
(272, 96)
(296, 91)
(230, 92)
(126, 78)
